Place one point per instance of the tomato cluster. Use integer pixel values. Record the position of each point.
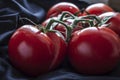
(90, 39)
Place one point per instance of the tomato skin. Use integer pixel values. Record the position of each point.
(33, 52)
(94, 51)
(114, 21)
(60, 49)
(97, 9)
(57, 9)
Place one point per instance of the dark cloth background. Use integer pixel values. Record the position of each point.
(10, 12)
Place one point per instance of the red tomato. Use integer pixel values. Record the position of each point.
(34, 52)
(94, 50)
(114, 21)
(57, 9)
(97, 9)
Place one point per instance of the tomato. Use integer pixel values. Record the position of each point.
(34, 52)
(97, 9)
(57, 9)
(94, 50)
(114, 21)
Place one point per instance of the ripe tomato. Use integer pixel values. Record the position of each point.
(94, 50)
(114, 21)
(57, 9)
(97, 9)
(34, 52)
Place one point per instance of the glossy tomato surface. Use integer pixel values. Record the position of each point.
(60, 49)
(97, 9)
(94, 50)
(34, 52)
(57, 9)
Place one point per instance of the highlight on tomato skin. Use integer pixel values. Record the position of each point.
(57, 9)
(94, 51)
(97, 9)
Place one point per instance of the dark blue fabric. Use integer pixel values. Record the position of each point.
(10, 12)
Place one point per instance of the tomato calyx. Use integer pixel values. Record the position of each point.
(68, 29)
(49, 27)
(90, 20)
(83, 21)
(82, 18)
(105, 20)
(68, 14)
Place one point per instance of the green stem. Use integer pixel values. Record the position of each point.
(76, 21)
(64, 13)
(105, 20)
(68, 28)
(96, 18)
(24, 18)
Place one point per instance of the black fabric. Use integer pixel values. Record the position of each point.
(10, 12)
